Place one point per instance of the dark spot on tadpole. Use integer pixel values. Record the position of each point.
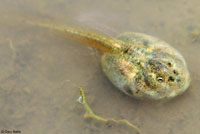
(171, 78)
(175, 72)
(155, 65)
(169, 64)
(126, 50)
(137, 91)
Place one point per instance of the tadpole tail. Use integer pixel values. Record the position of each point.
(102, 42)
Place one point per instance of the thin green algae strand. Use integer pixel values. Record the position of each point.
(91, 115)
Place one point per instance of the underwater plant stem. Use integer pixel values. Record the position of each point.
(83, 101)
(92, 115)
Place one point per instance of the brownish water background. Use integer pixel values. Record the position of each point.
(40, 70)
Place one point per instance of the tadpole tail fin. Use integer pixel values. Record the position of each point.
(99, 41)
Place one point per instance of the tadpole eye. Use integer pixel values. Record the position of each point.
(160, 79)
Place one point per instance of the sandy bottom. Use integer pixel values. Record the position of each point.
(41, 70)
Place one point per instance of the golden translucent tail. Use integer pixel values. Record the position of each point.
(101, 42)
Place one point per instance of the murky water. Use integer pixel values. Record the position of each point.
(41, 70)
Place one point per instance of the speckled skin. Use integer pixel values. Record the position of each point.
(148, 68)
(139, 65)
